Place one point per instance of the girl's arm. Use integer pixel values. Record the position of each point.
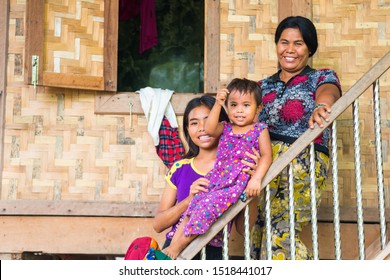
(168, 212)
(254, 185)
(212, 125)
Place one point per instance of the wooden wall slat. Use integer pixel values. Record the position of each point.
(120, 103)
(144, 209)
(34, 38)
(78, 208)
(111, 11)
(4, 19)
(212, 46)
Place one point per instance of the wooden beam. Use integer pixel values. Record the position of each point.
(111, 23)
(4, 21)
(77, 208)
(68, 80)
(349, 214)
(73, 235)
(34, 38)
(106, 103)
(212, 46)
(144, 209)
(295, 8)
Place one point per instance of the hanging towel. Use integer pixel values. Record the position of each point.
(148, 36)
(162, 123)
(170, 147)
(129, 9)
(156, 104)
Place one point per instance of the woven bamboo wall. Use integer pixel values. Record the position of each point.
(56, 148)
(353, 37)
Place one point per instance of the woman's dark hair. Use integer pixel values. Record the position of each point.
(305, 26)
(245, 86)
(205, 100)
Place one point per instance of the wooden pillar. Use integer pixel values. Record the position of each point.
(4, 21)
(212, 46)
(295, 8)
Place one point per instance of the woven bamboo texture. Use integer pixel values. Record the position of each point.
(353, 36)
(56, 148)
(74, 37)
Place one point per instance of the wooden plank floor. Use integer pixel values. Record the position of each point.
(111, 236)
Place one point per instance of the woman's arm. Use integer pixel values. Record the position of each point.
(168, 211)
(254, 185)
(326, 96)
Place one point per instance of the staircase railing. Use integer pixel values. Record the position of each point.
(349, 98)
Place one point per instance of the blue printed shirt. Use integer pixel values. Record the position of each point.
(287, 107)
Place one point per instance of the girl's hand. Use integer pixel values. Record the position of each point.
(253, 188)
(222, 95)
(251, 166)
(198, 186)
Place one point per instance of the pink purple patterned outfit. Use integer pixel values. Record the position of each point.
(227, 181)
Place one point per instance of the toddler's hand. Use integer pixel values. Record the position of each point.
(222, 95)
(254, 187)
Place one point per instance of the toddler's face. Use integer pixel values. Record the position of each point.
(241, 107)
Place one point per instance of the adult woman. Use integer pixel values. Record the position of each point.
(185, 178)
(294, 98)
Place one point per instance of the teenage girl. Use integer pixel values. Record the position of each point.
(186, 177)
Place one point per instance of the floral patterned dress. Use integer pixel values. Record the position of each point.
(287, 108)
(227, 180)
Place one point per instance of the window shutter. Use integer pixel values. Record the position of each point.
(76, 44)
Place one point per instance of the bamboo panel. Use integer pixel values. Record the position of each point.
(352, 38)
(74, 36)
(247, 48)
(57, 149)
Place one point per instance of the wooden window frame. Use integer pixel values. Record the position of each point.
(118, 103)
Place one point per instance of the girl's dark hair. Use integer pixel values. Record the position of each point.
(305, 26)
(205, 100)
(245, 86)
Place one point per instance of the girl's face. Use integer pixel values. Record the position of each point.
(242, 109)
(196, 121)
(292, 51)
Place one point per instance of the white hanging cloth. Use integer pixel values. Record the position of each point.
(156, 104)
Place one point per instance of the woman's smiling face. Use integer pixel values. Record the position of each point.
(292, 52)
(196, 122)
